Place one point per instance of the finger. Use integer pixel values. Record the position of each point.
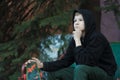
(26, 63)
(33, 58)
(73, 32)
(30, 61)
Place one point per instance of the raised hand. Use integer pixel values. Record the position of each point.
(77, 35)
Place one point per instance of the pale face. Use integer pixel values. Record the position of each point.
(79, 22)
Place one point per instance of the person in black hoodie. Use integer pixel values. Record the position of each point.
(88, 48)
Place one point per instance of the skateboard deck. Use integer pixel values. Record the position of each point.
(32, 72)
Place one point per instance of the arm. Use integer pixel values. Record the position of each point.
(91, 53)
(66, 61)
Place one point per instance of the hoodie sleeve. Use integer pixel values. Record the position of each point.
(90, 54)
(66, 61)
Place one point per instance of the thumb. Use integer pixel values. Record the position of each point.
(36, 59)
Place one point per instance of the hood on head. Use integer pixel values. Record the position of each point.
(88, 19)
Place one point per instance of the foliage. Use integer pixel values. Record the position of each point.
(31, 24)
(24, 25)
(58, 44)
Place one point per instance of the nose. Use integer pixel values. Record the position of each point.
(76, 23)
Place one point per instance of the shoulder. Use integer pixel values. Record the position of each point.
(99, 36)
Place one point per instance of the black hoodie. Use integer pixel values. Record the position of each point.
(95, 49)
